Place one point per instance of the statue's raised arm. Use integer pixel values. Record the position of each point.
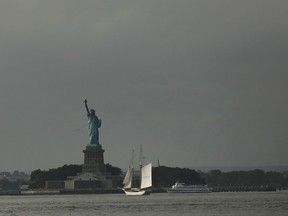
(86, 106)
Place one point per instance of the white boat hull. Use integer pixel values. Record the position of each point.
(183, 188)
(169, 190)
(136, 192)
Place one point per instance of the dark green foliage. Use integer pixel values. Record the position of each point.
(115, 171)
(248, 178)
(38, 177)
(167, 176)
(4, 183)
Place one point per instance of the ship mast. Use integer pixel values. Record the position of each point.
(141, 157)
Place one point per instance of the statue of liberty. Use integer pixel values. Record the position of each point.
(93, 124)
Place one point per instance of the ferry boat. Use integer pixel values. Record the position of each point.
(184, 188)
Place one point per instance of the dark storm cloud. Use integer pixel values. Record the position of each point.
(195, 82)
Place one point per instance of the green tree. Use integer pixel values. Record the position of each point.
(115, 171)
(38, 177)
(166, 176)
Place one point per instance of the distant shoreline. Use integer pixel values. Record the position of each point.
(118, 191)
(277, 168)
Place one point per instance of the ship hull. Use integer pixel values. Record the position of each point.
(183, 188)
(136, 192)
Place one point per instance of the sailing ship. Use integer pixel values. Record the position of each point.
(145, 179)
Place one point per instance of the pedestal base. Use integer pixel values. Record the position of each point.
(94, 160)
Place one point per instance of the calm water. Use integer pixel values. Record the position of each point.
(232, 204)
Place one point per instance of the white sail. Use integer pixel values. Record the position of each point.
(146, 176)
(128, 178)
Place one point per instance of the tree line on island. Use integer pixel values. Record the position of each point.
(163, 177)
(166, 176)
(256, 177)
(38, 177)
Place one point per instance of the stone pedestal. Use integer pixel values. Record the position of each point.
(94, 161)
(93, 175)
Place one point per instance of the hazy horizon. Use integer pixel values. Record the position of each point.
(197, 83)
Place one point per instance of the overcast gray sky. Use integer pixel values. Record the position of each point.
(197, 83)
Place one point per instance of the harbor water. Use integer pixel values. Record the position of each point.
(161, 204)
